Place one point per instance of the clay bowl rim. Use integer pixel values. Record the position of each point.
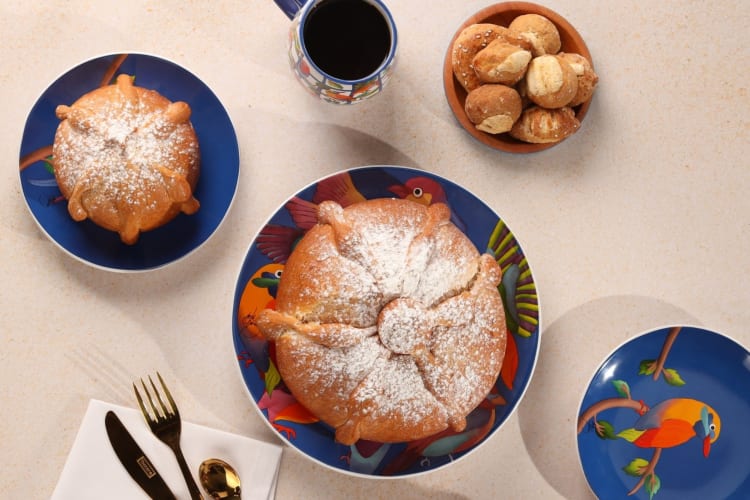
(503, 13)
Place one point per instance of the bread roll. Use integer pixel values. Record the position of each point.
(587, 78)
(470, 41)
(541, 125)
(550, 82)
(126, 158)
(539, 31)
(501, 62)
(493, 108)
(388, 323)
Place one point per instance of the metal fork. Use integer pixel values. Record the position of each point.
(167, 426)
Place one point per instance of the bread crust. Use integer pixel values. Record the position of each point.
(501, 62)
(550, 82)
(415, 353)
(539, 31)
(470, 41)
(126, 158)
(587, 77)
(541, 125)
(493, 108)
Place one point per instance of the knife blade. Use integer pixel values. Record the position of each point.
(134, 460)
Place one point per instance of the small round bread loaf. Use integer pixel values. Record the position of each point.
(550, 81)
(541, 125)
(126, 158)
(501, 62)
(587, 78)
(539, 31)
(493, 108)
(470, 41)
(388, 323)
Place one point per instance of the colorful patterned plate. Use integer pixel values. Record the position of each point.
(256, 288)
(666, 416)
(101, 248)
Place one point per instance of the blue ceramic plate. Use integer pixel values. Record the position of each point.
(256, 288)
(216, 186)
(666, 417)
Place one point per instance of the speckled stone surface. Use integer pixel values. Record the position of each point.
(640, 219)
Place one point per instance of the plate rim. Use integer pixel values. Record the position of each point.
(251, 396)
(607, 357)
(142, 269)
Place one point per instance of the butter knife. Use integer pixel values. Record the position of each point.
(134, 460)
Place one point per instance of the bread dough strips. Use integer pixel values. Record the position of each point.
(388, 323)
(127, 158)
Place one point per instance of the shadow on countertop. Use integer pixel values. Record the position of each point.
(572, 349)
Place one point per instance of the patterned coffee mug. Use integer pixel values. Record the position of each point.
(339, 85)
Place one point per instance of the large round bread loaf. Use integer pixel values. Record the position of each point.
(388, 323)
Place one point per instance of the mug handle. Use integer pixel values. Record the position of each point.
(290, 7)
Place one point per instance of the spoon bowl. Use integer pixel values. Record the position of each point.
(219, 479)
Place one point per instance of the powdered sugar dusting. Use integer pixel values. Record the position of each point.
(355, 300)
(440, 337)
(345, 367)
(120, 148)
(378, 239)
(397, 389)
(404, 326)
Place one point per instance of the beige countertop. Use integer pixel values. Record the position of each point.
(639, 220)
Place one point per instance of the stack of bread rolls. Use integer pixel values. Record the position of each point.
(519, 82)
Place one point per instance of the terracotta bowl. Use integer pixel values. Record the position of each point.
(502, 14)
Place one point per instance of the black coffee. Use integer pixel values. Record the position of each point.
(347, 39)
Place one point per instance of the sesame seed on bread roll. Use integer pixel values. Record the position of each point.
(470, 41)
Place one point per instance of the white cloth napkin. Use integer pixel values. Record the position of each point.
(93, 471)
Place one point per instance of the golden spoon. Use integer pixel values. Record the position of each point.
(219, 479)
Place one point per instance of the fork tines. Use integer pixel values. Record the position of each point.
(166, 425)
(165, 412)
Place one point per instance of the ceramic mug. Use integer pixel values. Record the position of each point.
(342, 51)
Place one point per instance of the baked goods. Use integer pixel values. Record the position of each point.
(493, 108)
(525, 56)
(550, 82)
(587, 78)
(541, 33)
(501, 62)
(388, 323)
(470, 41)
(126, 158)
(541, 125)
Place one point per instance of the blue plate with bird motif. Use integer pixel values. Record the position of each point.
(665, 417)
(99, 247)
(256, 288)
